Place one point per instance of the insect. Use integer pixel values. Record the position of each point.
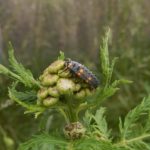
(82, 72)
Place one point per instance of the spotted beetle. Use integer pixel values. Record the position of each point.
(82, 72)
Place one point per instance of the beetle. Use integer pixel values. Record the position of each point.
(82, 72)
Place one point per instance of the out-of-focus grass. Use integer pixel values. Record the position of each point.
(39, 29)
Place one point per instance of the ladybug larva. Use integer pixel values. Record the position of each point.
(82, 72)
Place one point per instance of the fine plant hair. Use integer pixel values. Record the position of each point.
(134, 128)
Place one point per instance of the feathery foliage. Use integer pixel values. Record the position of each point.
(25, 99)
(97, 135)
(134, 133)
(96, 124)
(38, 142)
(24, 76)
(62, 144)
(61, 56)
(19, 73)
(108, 87)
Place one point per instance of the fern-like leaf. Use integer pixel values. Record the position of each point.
(133, 116)
(25, 76)
(107, 88)
(39, 142)
(24, 99)
(61, 56)
(133, 132)
(97, 125)
(92, 144)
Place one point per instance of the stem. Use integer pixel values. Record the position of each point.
(125, 142)
(138, 138)
(81, 107)
(64, 114)
(72, 112)
(2, 131)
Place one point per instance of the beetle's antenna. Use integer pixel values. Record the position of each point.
(63, 70)
(67, 59)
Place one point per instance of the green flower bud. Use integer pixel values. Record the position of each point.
(88, 92)
(45, 73)
(77, 87)
(80, 95)
(64, 73)
(49, 80)
(53, 91)
(65, 86)
(77, 80)
(50, 101)
(41, 77)
(84, 85)
(56, 66)
(9, 142)
(74, 130)
(42, 93)
(39, 102)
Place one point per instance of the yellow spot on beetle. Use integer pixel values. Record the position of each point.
(78, 73)
(89, 78)
(81, 70)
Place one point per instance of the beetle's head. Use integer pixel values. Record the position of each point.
(67, 61)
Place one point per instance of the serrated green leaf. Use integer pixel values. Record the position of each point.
(135, 134)
(39, 141)
(101, 123)
(25, 75)
(104, 58)
(92, 144)
(15, 95)
(9, 73)
(96, 124)
(61, 56)
(121, 81)
(133, 116)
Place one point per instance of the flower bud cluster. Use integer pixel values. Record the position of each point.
(74, 130)
(57, 81)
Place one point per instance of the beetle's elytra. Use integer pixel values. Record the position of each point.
(82, 72)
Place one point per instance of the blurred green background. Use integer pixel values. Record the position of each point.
(39, 29)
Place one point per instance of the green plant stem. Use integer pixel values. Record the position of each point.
(64, 114)
(2, 131)
(139, 138)
(125, 142)
(72, 112)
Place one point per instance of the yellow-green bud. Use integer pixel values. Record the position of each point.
(80, 95)
(65, 86)
(53, 91)
(88, 92)
(64, 73)
(77, 80)
(77, 87)
(74, 130)
(56, 66)
(42, 93)
(39, 102)
(49, 80)
(9, 142)
(84, 85)
(46, 71)
(50, 101)
(41, 77)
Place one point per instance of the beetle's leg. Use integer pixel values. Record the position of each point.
(64, 70)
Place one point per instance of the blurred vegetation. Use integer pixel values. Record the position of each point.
(39, 29)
